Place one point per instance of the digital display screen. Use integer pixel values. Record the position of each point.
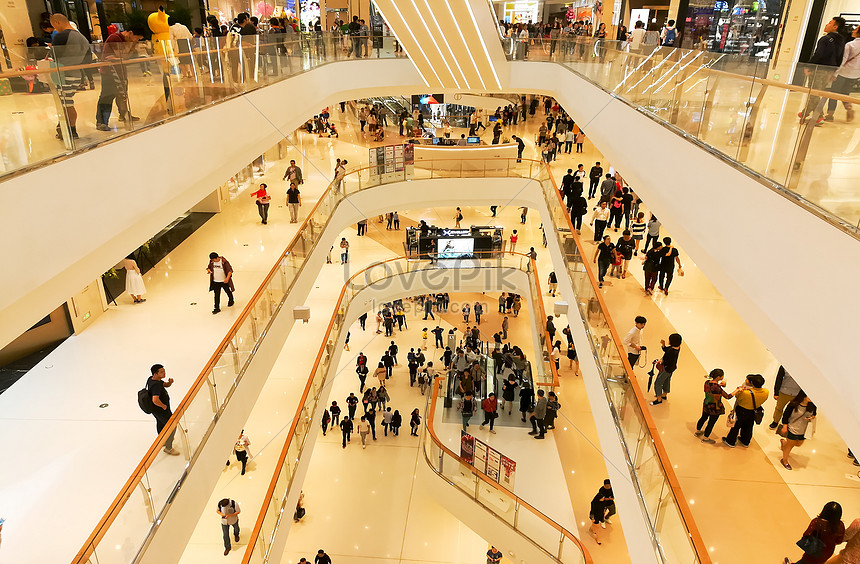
(473, 140)
(427, 99)
(461, 247)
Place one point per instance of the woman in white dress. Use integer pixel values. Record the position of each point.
(133, 280)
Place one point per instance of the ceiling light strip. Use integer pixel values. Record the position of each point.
(445, 40)
(423, 54)
(426, 28)
(468, 51)
(405, 50)
(483, 44)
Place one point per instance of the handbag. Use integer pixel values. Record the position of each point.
(731, 419)
(758, 412)
(812, 544)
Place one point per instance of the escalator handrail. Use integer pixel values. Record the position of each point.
(431, 432)
(152, 453)
(663, 456)
(282, 457)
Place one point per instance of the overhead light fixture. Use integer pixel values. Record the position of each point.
(413, 59)
(483, 44)
(433, 39)
(468, 51)
(445, 40)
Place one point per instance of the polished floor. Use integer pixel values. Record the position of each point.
(51, 408)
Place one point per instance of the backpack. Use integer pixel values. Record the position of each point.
(144, 400)
(469, 407)
(670, 37)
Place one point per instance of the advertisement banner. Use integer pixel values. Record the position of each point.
(509, 471)
(493, 464)
(467, 447)
(480, 461)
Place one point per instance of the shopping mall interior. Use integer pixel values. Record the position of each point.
(445, 288)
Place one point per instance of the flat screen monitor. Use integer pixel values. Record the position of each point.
(473, 140)
(437, 140)
(461, 247)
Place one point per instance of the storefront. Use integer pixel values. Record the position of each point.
(741, 27)
(521, 11)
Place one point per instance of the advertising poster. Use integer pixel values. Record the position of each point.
(398, 157)
(409, 153)
(480, 461)
(509, 471)
(389, 159)
(467, 447)
(494, 462)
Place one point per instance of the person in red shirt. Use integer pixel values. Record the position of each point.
(490, 405)
(263, 200)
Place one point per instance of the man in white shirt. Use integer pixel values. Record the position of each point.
(633, 341)
(637, 35)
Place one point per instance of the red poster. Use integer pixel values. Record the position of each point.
(467, 447)
(509, 470)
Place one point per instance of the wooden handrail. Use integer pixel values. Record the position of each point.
(542, 326)
(431, 431)
(137, 475)
(690, 523)
(270, 492)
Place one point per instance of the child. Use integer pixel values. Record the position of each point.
(617, 266)
(424, 339)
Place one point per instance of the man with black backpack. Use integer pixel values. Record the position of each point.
(155, 400)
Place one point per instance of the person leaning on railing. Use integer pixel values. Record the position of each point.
(70, 48)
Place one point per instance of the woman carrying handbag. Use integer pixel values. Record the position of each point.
(820, 538)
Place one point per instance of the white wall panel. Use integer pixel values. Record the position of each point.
(98, 206)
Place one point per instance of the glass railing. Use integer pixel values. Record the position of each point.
(779, 133)
(282, 485)
(545, 372)
(674, 532)
(137, 510)
(141, 505)
(555, 541)
(133, 91)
